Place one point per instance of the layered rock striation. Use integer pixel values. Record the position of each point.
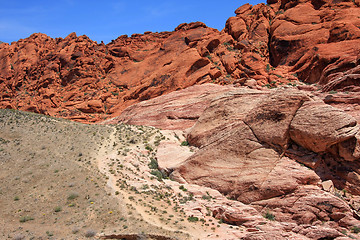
(282, 151)
(282, 42)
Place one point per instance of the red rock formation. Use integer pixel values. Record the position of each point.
(284, 41)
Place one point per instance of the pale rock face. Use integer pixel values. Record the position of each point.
(171, 154)
(317, 126)
(176, 110)
(238, 157)
(328, 186)
(253, 147)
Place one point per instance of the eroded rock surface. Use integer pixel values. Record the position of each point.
(249, 143)
(283, 42)
(176, 110)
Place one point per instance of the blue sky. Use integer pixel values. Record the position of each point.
(107, 19)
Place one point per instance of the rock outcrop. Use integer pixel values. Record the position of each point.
(283, 42)
(272, 149)
(281, 153)
(79, 79)
(176, 110)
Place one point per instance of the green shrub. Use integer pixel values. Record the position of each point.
(157, 174)
(149, 148)
(268, 215)
(72, 196)
(206, 197)
(193, 219)
(185, 143)
(153, 164)
(181, 187)
(90, 233)
(57, 209)
(267, 69)
(26, 218)
(355, 229)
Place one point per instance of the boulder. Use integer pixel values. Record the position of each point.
(317, 126)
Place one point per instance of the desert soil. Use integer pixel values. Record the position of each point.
(67, 180)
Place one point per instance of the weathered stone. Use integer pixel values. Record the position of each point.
(317, 126)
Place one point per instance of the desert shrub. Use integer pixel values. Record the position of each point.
(268, 215)
(157, 174)
(355, 229)
(153, 164)
(57, 209)
(149, 148)
(90, 233)
(19, 237)
(72, 196)
(206, 197)
(26, 218)
(267, 69)
(193, 219)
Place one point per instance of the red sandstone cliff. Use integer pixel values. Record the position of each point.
(278, 43)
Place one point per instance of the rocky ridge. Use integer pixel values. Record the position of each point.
(282, 42)
(274, 154)
(282, 152)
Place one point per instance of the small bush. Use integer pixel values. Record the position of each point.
(355, 229)
(16, 198)
(157, 174)
(206, 197)
(185, 143)
(153, 164)
(57, 209)
(72, 196)
(268, 215)
(193, 219)
(267, 69)
(149, 148)
(90, 233)
(19, 237)
(26, 218)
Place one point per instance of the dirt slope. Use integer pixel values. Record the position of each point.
(51, 184)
